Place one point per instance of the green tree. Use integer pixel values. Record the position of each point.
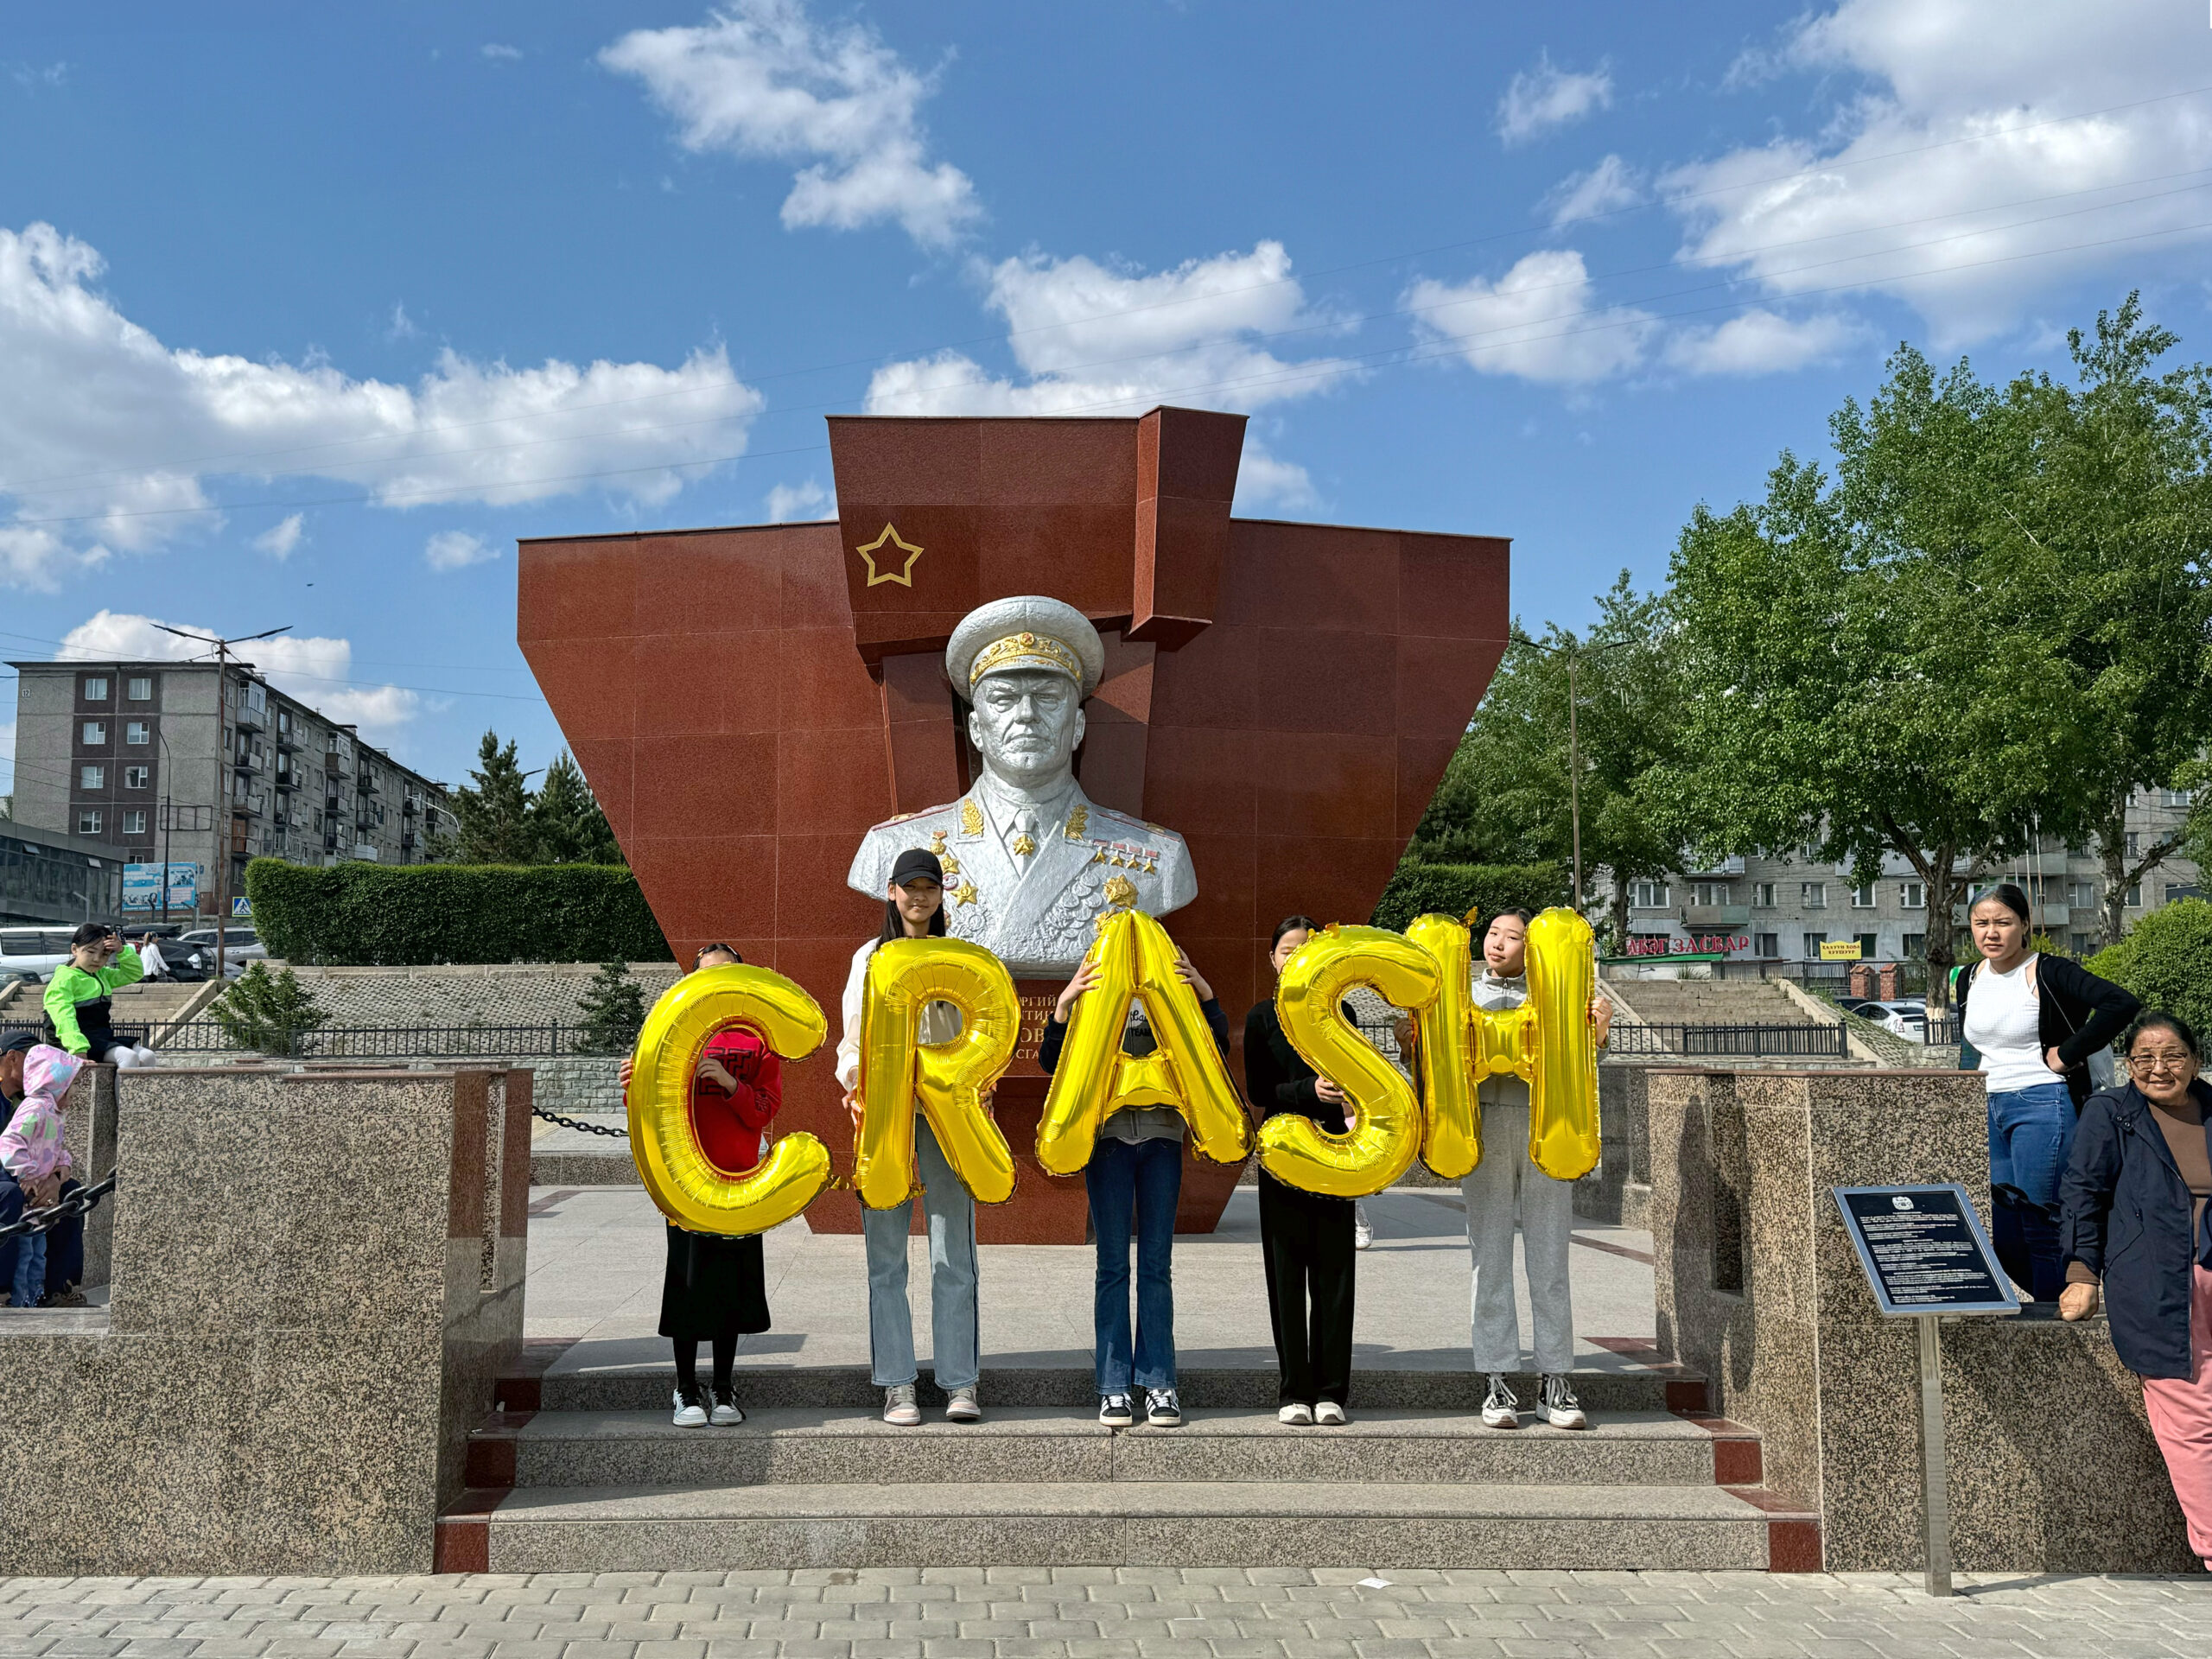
(1505, 798)
(495, 817)
(2108, 516)
(268, 1011)
(2166, 961)
(611, 1012)
(1857, 678)
(570, 828)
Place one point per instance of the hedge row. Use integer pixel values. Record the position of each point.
(1454, 889)
(2166, 959)
(375, 915)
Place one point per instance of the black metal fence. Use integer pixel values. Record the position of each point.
(1743, 1042)
(362, 1042)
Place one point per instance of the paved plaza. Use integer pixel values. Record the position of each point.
(1101, 1613)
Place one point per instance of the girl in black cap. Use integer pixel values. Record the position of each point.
(914, 908)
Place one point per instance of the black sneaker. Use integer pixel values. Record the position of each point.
(1115, 1410)
(1162, 1409)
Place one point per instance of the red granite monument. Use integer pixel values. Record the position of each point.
(747, 701)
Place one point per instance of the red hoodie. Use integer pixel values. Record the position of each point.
(729, 1125)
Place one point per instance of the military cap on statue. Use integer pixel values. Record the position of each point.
(1028, 631)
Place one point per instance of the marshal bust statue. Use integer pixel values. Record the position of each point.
(1030, 861)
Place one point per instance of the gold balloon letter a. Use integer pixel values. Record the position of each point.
(949, 1079)
(1135, 958)
(1386, 1132)
(689, 1190)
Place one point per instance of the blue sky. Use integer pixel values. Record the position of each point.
(306, 314)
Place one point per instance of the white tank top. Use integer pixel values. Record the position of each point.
(2003, 1023)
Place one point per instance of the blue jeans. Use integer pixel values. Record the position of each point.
(63, 1245)
(30, 1270)
(2030, 1133)
(1145, 1176)
(952, 1215)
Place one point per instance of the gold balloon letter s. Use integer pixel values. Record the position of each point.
(949, 1079)
(1386, 1131)
(689, 1190)
(1136, 959)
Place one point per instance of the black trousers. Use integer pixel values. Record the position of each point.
(1306, 1240)
(65, 1244)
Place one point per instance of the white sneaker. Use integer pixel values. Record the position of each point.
(899, 1407)
(726, 1414)
(1296, 1415)
(1556, 1404)
(1116, 1411)
(1501, 1407)
(1363, 1230)
(1330, 1414)
(689, 1415)
(1162, 1409)
(961, 1406)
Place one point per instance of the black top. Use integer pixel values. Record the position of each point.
(2125, 1214)
(1276, 1076)
(1139, 1042)
(2076, 1012)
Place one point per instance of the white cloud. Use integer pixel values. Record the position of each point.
(760, 80)
(1936, 73)
(1546, 97)
(1264, 480)
(1760, 342)
(104, 429)
(455, 549)
(499, 53)
(1607, 187)
(791, 502)
(281, 538)
(402, 325)
(1540, 322)
(1097, 341)
(315, 670)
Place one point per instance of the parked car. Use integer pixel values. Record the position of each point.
(240, 946)
(1907, 1018)
(34, 952)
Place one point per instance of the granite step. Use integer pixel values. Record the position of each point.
(812, 1446)
(645, 1388)
(1119, 1522)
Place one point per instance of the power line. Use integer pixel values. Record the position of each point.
(1676, 200)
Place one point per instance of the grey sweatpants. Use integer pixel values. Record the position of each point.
(1505, 1180)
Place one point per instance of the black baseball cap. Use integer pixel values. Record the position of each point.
(914, 863)
(21, 1043)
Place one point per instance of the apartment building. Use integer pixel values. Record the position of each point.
(1784, 907)
(191, 762)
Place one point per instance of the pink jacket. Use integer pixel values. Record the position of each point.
(31, 1149)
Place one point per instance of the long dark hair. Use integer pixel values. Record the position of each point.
(1291, 925)
(2008, 894)
(894, 924)
(90, 933)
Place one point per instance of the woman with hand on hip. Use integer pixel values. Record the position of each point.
(914, 909)
(714, 1289)
(2133, 1222)
(2036, 1020)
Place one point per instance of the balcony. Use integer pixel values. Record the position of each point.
(1710, 916)
(1725, 867)
(412, 803)
(253, 720)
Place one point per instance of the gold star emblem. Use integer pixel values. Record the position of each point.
(964, 894)
(1024, 845)
(904, 575)
(949, 864)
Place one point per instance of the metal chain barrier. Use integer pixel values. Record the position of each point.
(79, 1203)
(571, 1124)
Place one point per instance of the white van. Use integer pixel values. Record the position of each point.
(34, 952)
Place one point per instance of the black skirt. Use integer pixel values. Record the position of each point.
(714, 1287)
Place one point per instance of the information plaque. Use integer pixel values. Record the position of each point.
(1924, 1251)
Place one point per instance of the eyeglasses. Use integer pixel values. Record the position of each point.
(2160, 1062)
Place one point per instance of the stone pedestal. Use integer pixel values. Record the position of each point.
(2052, 1465)
(315, 1278)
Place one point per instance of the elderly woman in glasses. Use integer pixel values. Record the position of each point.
(2133, 1225)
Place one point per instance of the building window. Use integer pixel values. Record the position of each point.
(139, 687)
(2082, 895)
(137, 731)
(2135, 895)
(1708, 894)
(1649, 895)
(96, 688)
(92, 777)
(1766, 945)
(89, 821)
(1915, 946)
(1763, 895)
(1813, 895)
(2132, 839)
(1811, 854)
(2175, 797)
(1913, 895)
(1862, 896)
(95, 733)
(138, 777)
(2085, 944)
(134, 822)
(1813, 944)
(1870, 947)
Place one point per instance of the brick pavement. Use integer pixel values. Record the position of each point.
(1098, 1613)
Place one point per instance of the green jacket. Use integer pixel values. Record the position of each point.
(72, 985)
